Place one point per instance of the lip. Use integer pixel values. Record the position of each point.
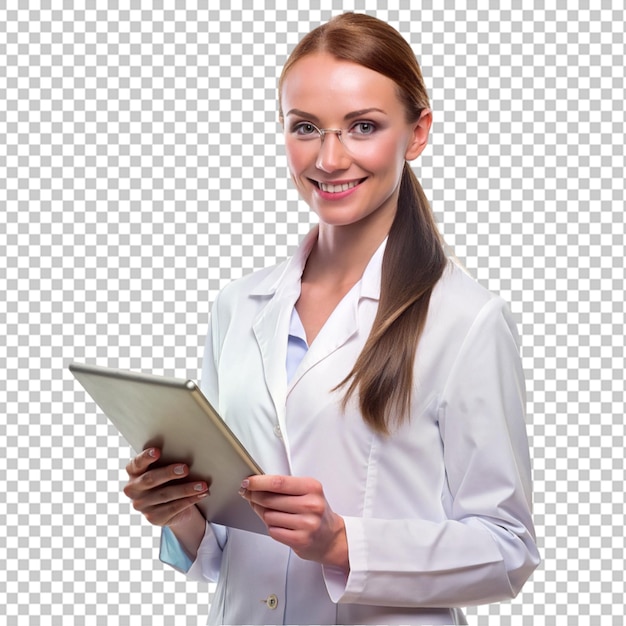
(339, 195)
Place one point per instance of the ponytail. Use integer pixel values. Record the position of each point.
(413, 262)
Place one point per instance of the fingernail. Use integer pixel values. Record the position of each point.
(244, 483)
(242, 492)
(152, 452)
(199, 487)
(202, 495)
(179, 469)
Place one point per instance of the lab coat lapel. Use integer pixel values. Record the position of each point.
(271, 329)
(271, 325)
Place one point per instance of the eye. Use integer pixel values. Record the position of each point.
(363, 129)
(305, 129)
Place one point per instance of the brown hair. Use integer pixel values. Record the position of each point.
(414, 258)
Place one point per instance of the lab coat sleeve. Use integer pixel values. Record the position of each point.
(485, 550)
(206, 565)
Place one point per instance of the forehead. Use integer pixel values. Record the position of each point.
(323, 85)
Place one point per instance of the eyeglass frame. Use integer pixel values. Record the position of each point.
(322, 132)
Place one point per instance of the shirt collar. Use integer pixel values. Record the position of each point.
(296, 329)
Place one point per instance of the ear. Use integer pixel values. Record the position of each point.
(419, 135)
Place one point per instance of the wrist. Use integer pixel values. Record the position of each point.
(337, 554)
(189, 532)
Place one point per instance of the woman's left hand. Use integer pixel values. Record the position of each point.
(297, 514)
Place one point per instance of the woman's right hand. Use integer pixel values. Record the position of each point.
(161, 501)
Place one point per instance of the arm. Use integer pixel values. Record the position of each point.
(485, 550)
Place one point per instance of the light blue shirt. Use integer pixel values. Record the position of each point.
(172, 552)
(296, 346)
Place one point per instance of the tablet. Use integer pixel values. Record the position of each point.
(174, 415)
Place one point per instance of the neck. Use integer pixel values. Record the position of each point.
(342, 253)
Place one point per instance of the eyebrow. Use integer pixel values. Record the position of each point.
(347, 117)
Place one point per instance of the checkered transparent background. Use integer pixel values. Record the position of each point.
(142, 168)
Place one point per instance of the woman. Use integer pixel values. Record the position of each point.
(379, 387)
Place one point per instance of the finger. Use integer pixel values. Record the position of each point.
(169, 494)
(142, 461)
(294, 538)
(296, 531)
(138, 484)
(288, 485)
(307, 504)
(163, 514)
(274, 519)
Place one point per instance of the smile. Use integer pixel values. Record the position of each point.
(337, 188)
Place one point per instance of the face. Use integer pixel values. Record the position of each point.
(346, 186)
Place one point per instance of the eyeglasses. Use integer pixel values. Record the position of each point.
(358, 137)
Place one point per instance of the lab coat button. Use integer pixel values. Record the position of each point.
(278, 432)
(272, 601)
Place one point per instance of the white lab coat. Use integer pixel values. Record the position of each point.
(438, 515)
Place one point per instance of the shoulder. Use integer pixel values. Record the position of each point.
(459, 304)
(456, 287)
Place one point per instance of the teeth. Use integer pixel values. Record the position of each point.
(337, 188)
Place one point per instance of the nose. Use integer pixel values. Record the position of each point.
(332, 155)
